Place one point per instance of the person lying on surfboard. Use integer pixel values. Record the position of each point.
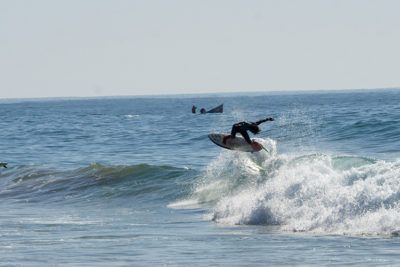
(243, 127)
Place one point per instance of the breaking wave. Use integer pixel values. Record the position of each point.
(316, 193)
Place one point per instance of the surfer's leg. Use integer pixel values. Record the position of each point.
(246, 136)
(232, 135)
(234, 130)
(225, 138)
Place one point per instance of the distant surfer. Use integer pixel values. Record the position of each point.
(243, 127)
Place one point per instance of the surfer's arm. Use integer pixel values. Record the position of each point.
(264, 120)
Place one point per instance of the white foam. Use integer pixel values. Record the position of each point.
(184, 204)
(311, 193)
(131, 116)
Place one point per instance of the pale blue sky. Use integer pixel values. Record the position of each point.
(52, 48)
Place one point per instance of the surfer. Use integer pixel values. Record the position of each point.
(243, 127)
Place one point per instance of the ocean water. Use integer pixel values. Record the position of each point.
(134, 181)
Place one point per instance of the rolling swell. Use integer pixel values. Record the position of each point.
(91, 183)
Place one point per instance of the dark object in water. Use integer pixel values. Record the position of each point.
(4, 164)
(218, 109)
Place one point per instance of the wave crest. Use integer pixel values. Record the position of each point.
(28, 184)
(310, 193)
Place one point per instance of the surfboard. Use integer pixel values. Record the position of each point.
(3, 164)
(237, 143)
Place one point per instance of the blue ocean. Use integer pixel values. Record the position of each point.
(135, 181)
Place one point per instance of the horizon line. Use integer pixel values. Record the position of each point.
(158, 95)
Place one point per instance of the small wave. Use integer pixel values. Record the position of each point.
(28, 184)
(310, 193)
(380, 129)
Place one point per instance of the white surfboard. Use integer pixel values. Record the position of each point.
(237, 143)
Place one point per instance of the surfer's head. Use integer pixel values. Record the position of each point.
(254, 129)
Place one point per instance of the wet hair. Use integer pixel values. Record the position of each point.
(254, 129)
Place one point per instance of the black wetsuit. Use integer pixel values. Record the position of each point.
(243, 127)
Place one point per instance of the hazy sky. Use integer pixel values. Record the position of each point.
(93, 47)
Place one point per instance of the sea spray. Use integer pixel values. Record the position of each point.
(230, 172)
(309, 193)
